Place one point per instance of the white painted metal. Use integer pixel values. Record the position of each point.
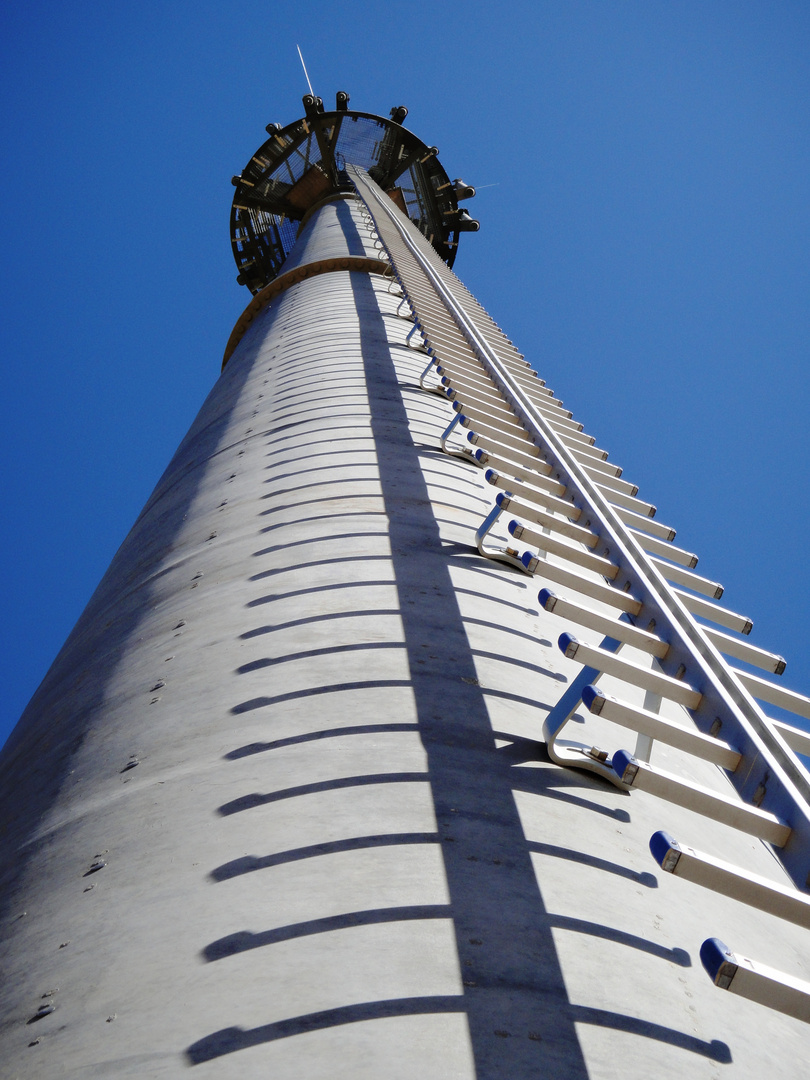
(758, 982)
(701, 800)
(635, 674)
(721, 877)
(656, 727)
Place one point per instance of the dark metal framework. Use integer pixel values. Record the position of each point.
(305, 162)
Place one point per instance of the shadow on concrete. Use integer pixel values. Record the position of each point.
(320, 562)
(331, 587)
(250, 863)
(315, 691)
(320, 484)
(316, 736)
(317, 502)
(330, 617)
(244, 940)
(621, 937)
(249, 802)
(311, 654)
(649, 881)
(715, 1050)
(316, 517)
(232, 1039)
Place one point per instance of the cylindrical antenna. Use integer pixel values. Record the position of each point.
(304, 66)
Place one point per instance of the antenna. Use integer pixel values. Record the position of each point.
(304, 66)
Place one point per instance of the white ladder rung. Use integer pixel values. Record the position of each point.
(597, 590)
(514, 462)
(714, 612)
(646, 678)
(764, 690)
(781, 900)
(625, 502)
(690, 580)
(743, 650)
(584, 451)
(600, 469)
(645, 524)
(575, 554)
(612, 484)
(554, 524)
(512, 487)
(750, 979)
(669, 551)
(729, 811)
(649, 723)
(622, 631)
(797, 739)
(510, 436)
(534, 513)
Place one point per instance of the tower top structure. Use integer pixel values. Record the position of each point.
(304, 163)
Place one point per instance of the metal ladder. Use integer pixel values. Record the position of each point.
(595, 538)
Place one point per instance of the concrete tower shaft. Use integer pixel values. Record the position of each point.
(282, 806)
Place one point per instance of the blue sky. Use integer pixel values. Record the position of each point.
(645, 217)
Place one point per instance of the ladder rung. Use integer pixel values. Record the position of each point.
(697, 582)
(646, 678)
(612, 483)
(743, 650)
(487, 415)
(582, 450)
(463, 374)
(597, 590)
(557, 417)
(598, 563)
(597, 468)
(528, 512)
(520, 441)
(574, 437)
(797, 739)
(748, 819)
(648, 723)
(467, 399)
(628, 501)
(467, 367)
(539, 498)
(669, 551)
(749, 979)
(515, 462)
(554, 524)
(781, 900)
(645, 524)
(764, 690)
(730, 619)
(605, 624)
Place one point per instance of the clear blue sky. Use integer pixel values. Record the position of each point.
(647, 246)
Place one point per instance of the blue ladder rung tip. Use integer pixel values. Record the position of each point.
(589, 694)
(661, 843)
(566, 640)
(714, 954)
(622, 760)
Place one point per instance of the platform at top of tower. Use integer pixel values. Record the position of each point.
(303, 163)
